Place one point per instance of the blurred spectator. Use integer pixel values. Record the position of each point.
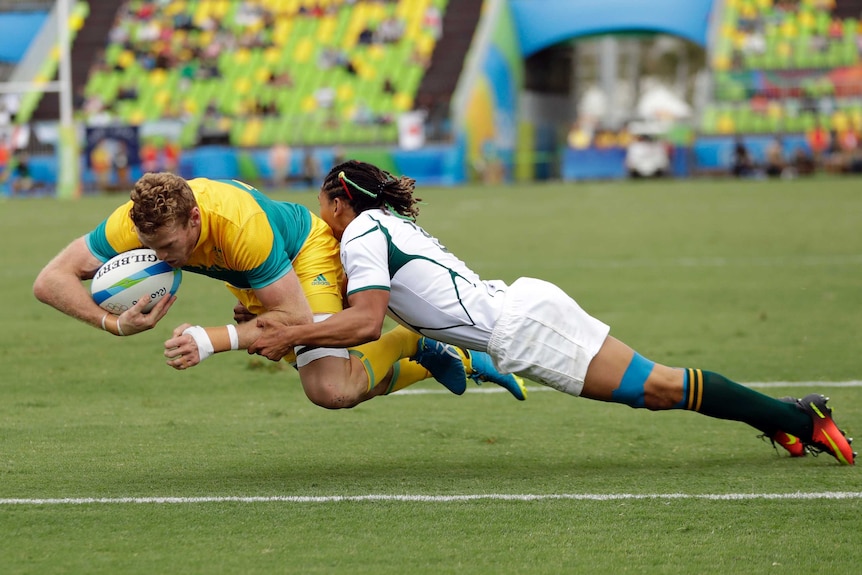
(310, 168)
(366, 36)
(646, 157)
(432, 21)
(388, 86)
(579, 138)
(282, 79)
(171, 153)
(149, 157)
(775, 165)
(22, 179)
(11, 103)
(325, 97)
(330, 58)
(5, 151)
(100, 162)
(818, 141)
(363, 115)
(128, 91)
(741, 162)
(279, 164)
(605, 139)
(390, 30)
(120, 162)
(850, 150)
(803, 162)
(338, 156)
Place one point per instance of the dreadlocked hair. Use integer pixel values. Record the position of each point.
(161, 199)
(365, 187)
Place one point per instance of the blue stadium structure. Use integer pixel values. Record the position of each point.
(542, 24)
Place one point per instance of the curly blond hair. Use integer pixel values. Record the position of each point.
(161, 199)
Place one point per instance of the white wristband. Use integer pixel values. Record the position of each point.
(205, 345)
(233, 335)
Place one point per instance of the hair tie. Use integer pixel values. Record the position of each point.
(341, 179)
(344, 178)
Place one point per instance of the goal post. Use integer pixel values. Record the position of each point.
(68, 184)
(68, 178)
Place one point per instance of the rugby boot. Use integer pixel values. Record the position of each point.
(443, 362)
(791, 443)
(480, 368)
(825, 435)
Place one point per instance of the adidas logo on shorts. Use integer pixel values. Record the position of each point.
(320, 280)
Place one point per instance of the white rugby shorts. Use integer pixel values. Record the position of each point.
(545, 336)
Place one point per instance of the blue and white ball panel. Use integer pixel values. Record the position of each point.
(129, 276)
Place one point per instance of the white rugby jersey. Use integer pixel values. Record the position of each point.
(431, 290)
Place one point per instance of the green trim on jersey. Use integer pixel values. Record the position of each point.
(366, 288)
(397, 259)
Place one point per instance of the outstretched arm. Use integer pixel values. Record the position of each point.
(360, 323)
(285, 303)
(59, 285)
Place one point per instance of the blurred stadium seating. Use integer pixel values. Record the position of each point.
(786, 66)
(299, 72)
(335, 75)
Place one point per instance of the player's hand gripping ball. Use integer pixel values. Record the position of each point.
(129, 276)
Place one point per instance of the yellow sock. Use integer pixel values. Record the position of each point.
(406, 373)
(378, 356)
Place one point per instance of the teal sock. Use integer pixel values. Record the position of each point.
(714, 395)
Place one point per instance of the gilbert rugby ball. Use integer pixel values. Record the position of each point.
(129, 276)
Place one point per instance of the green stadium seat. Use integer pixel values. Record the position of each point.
(296, 40)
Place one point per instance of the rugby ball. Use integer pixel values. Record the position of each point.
(129, 276)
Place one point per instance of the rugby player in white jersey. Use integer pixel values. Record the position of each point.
(530, 328)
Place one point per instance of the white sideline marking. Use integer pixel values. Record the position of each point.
(492, 388)
(720, 262)
(435, 498)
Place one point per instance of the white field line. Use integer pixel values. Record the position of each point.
(436, 498)
(720, 262)
(491, 388)
(477, 497)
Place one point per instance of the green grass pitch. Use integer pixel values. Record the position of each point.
(760, 281)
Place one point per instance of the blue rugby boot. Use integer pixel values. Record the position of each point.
(481, 368)
(444, 362)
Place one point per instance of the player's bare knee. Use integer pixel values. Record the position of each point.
(330, 396)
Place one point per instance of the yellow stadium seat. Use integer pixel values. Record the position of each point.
(261, 75)
(402, 101)
(326, 29)
(76, 22)
(725, 124)
(344, 92)
(303, 50)
(125, 59)
(271, 55)
(242, 85)
(157, 76)
(309, 104)
(137, 117)
(162, 98)
(839, 121)
(251, 132)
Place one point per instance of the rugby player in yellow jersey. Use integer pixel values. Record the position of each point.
(280, 261)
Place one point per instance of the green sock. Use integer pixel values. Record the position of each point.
(714, 395)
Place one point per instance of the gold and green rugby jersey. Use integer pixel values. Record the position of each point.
(247, 239)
